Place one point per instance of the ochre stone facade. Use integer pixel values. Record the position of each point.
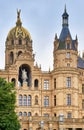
(50, 100)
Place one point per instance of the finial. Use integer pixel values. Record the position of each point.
(18, 23)
(76, 37)
(18, 13)
(65, 8)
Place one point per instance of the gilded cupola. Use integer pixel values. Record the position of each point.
(18, 31)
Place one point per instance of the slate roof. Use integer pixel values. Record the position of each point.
(64, 33)
(80, 63)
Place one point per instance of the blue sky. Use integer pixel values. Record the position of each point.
(42, 18)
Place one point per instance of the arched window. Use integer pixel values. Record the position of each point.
(12, 42)
(20, 113)
(25, 113)
(55, 115)
(27, 70)
(29, 100)
(29, 113)
(36, 100)
(14, 81)
(20, 41)
(11, 57)
(19, 53)
(25, 100)
(36, 114)
(20, 100)
(36, 83)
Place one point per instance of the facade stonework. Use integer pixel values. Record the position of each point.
(52, 100)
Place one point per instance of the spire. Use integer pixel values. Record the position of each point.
(76, 38)
(65, 8)
(18, 22)
(65, 18)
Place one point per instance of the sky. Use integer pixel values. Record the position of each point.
(43, 19)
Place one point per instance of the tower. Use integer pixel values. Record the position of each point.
(65, 48)
(65, 75)
(19, 53)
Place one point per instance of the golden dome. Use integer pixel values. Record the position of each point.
(18, 31)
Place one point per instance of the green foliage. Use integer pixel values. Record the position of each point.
(8, 116)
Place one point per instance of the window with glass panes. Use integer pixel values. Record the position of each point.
(25, 100)
(20, 100)
(46, 114)
(29, 100)
(69, 115)
(68, 99)
(68, 82)
(46, 84)
(46, 101)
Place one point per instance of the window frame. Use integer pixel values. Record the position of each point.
(68, 99)
(46, 101)
(46, 84)
(68, 82)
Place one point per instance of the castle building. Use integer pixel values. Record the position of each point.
(52, 100)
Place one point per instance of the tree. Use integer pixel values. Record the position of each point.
(8, 116)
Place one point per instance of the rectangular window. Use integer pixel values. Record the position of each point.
(55, 83)
(68, 82)
(46, 84)
(20, 100)
(68, 55)
(83, 104)
(82, 88)
(46, 101)
(68, 46)
(68, 65)
(54, 100)
(29, 100)
(69, 115)
(46, 114)
(25, 100)
(68, 99)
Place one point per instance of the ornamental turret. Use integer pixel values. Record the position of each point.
(65, 48)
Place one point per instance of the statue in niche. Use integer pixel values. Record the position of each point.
(24, 75)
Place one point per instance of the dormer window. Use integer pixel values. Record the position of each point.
(68, 46)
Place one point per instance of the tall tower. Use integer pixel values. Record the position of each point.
(19, 53)
(65, 71)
